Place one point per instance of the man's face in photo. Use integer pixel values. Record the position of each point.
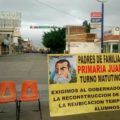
(62, 69)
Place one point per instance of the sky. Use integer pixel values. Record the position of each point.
(59, 13)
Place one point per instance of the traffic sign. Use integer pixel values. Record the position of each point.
(39, 27)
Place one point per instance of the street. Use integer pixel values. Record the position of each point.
(25, 67)
(32, 66)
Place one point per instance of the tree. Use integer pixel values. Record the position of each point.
(87, 26)
(55, 40)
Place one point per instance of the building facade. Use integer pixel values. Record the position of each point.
(78, 41)
(10, 23)
(111, 41)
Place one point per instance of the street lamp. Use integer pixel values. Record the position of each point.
(102, 24)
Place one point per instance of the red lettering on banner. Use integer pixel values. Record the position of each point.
(91, 69)
(114, 68)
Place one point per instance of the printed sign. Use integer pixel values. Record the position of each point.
(83, 83)
(96, 20)
(96, 14)
(93, 25)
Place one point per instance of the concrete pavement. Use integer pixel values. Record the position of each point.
(34, 66)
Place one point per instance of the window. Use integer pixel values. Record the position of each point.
(115, 48)
(108, 48)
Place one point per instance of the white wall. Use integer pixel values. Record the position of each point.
(116, 31)
(84, 47)
(15, 40)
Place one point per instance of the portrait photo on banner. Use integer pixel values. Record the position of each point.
(62, 69)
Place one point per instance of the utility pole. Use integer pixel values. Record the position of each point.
(102, 28)
(102, 25)
(68, 39)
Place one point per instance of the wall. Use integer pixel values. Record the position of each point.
(84, 47)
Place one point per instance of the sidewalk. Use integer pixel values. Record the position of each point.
(29, 110)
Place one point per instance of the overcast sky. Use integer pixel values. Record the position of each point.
(59, 13)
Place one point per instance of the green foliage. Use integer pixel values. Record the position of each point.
(51, 81)
(87, 26)
(74, 77)
(55, 40)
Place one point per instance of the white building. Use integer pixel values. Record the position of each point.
(78, 41)
(10, 23)
(112, 41)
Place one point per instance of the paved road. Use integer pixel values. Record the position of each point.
(34, 66)
(25, 67)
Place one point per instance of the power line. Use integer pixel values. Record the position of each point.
(62, 11)
(59, 10)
